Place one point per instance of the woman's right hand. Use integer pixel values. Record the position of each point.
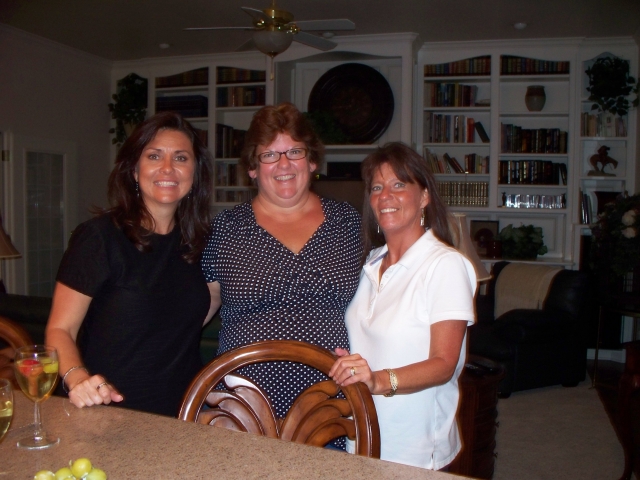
(93, 390)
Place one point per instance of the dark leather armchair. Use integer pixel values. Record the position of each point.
(537, 348)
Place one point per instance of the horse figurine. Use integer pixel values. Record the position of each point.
(603, 159)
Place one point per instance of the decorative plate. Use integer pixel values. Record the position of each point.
(358, 97)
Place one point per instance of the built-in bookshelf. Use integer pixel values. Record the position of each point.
(540, 162)
(188, 94)
(239, 92)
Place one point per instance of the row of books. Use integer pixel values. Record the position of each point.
(449, 95)
(472, 194)
(586, 209)
(199, 76)
(188, 106)
(473, 163)
(531, 172)
(240, 96)
(602, 125)
(229, 141)
(233, 196)
(512, 65)
(470, 66)
(239, 75)
(440, 128)
(515, 139)
(518, 200)
(231, 175)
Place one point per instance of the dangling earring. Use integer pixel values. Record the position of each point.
(137, 190)
(422, 218)
(378, 228)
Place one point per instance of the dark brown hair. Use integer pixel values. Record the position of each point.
(128, 209)
(271, 120)
(409, 167)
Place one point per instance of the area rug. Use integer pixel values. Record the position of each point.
(556, 432)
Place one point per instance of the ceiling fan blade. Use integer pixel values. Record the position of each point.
(246, 46)
(327, 25)
(257, 15)
(220, 28)
(313, 41)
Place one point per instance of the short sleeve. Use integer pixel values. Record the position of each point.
(219, 226)
(451, 288)
(85, 266)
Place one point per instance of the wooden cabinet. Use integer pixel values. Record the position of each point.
(477, 417)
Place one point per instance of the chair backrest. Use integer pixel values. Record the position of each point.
(14, 336)
(316, 416)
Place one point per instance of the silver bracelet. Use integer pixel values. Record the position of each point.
(64, 377)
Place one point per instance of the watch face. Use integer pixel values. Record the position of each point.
(358, 97)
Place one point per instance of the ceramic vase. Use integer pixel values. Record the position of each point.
(535, 98)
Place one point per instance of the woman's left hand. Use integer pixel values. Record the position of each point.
(350, 369)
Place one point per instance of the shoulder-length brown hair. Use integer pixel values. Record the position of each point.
(410, 168)
(271, 120)
(128, 209)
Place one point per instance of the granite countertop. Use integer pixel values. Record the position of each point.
(133, 445)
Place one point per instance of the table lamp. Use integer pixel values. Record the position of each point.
(462, 242)
(7, 250)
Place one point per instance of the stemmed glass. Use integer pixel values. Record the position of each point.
(36, 368)
(6, 406)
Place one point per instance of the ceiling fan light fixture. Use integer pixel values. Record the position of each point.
(272, 42)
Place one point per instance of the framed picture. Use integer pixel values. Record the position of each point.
(483, 232)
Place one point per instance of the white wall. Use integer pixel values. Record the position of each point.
(51, 91)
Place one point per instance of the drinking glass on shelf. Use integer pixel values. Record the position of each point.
(6, 406)
(36, 368)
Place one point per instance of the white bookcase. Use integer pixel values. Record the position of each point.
(505, 92)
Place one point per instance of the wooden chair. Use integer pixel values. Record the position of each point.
(316, 416)
(13, 335)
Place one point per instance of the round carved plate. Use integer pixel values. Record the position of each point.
(359, 98)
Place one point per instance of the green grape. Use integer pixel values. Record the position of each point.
(44, 475)
(81, 467)
(96, 474)
(64, 474)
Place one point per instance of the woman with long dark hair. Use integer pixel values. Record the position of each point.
(408, 319)
(130, 297)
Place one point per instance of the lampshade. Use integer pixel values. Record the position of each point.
(272, 42)
(7, 250)
(462, 242)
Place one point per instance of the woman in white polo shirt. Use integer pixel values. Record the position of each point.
(408, 319)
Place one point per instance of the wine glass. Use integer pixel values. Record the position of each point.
(36, 368)
(6, 406)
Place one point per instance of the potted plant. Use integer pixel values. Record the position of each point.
(615, 246)
(610, 84)
(130, 106)
(523, 242)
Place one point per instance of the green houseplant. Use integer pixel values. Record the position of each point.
(129, 107)
(610, 84)
(523, 242)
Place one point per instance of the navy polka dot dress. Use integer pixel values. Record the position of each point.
(270, 293)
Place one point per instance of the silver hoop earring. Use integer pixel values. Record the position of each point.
(378, 228)
(137, 190)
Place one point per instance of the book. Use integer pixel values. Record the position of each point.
(455, 166)
(482, 133)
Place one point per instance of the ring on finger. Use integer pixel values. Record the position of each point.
(101, 385)
(353, 371)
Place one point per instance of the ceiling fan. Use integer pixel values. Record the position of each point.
(274, 30)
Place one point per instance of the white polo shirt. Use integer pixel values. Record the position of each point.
(389, 325)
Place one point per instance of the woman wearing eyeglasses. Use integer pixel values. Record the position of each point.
(285, 265)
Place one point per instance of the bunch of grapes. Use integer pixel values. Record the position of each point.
(81, 469)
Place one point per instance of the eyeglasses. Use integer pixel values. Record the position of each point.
(291, 154)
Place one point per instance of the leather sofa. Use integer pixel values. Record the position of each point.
(537, 347)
